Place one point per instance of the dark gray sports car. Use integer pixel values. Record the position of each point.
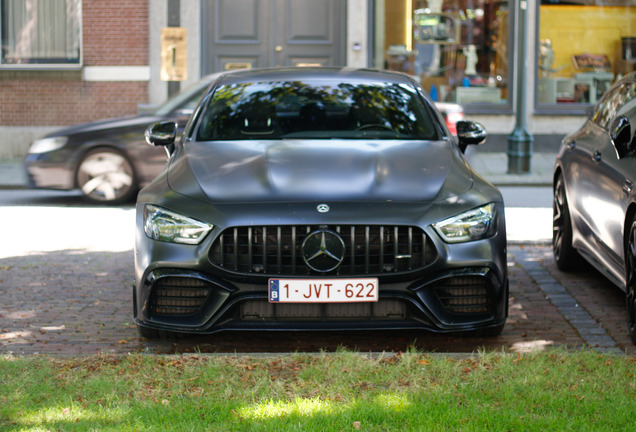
(318, 199)
(595, 196)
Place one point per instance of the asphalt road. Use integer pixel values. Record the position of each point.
(66, 277)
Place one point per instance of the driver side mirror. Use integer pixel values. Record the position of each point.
(161, 134)
(621, 135)
(470, 133)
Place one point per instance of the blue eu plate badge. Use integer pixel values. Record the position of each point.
(273, 290)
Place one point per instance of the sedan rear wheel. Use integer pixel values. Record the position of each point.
(566, 257)
(630, 266)
(105, 176)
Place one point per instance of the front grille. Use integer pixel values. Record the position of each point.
(178, 296)
(464, 294)
(261, 310)
(277, 250)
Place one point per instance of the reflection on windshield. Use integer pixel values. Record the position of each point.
(293, 109)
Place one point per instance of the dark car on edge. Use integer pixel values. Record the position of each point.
(107, 160)
(594, 193)
(318, 199)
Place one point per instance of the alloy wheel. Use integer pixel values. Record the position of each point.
(558, 221)
(566, 257)
(631, 282)
(106, 176)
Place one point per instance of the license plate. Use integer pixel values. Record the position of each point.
(323, 290)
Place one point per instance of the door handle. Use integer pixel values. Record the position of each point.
(596, 156)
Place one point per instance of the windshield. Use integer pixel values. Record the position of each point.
(316, 110)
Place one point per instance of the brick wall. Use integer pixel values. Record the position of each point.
(115, 33)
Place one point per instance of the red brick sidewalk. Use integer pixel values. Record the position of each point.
(78, 303)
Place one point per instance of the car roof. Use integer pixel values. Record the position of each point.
(342, 74)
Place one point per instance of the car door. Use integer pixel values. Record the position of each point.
(605, 186)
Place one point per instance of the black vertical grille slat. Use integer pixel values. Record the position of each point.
(250, 246)
(366, 250)
(265, 249)
(293, 250)
(410, 248)
(396, 245)
(381, 247)
(236, 249)
(277, 250)
(352, 253)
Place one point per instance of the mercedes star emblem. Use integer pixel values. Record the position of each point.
(323, 250)
(322, 208)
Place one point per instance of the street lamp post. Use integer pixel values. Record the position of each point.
(520, 140)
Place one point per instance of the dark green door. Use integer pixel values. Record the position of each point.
(268, 33)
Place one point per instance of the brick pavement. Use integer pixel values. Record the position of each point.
(79, 303)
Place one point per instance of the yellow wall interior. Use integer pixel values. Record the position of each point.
(577, 30)
(398, 14)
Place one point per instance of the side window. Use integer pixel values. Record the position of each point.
(609, 105)
(628, 107)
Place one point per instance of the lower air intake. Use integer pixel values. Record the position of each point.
(178, 296)
(464, 294)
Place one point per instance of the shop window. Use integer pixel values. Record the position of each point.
(458, 49)
(40, 32)
(583, 47)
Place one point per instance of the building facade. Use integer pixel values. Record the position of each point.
(69, 61)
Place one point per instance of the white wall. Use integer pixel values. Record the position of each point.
(358, 35)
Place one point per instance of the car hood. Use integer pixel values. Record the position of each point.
(318, 170)
(112, 123)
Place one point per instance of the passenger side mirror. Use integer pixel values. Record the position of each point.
(161, 134)
(621, 136)
(470, 133)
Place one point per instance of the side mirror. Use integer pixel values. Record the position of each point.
(470, 133)
(621, 135)
(161, 134)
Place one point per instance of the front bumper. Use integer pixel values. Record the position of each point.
(190, 302)
(44, 173)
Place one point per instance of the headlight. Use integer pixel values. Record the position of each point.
(48, 144)
(476, 224)
(163, 225)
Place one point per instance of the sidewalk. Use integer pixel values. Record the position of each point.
(12, 174)
(493, 166)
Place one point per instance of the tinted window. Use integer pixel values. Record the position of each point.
(279, 110)
(610, 104)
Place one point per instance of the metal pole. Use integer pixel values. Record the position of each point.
(174, 20)
(520, 140)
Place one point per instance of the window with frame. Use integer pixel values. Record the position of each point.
(583, 46)
(40, 32)
(459, 49)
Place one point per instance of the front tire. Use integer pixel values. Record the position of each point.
(105, 176)
(630, 266)
(566, 257)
